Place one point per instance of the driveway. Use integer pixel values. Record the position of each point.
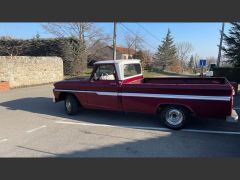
(31, 125)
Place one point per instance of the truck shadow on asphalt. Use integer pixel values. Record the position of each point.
(166, 144)
(45, 106)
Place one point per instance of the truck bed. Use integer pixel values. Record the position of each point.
(180, 85)
(176, 80)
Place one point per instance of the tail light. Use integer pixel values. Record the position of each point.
(233, 91)
(234, 87)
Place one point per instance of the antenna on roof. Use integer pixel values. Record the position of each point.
(114, 41)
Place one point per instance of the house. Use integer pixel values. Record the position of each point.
(123, 53)
(106, 53)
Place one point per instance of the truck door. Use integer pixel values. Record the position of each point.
(104, 88)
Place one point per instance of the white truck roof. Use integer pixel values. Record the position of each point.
(119, 61)
(119, 64)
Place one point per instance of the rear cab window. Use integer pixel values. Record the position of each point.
(132, 70)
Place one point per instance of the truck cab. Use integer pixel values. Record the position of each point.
(118, 70)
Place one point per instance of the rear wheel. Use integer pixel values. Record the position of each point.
(71, 105)
(174, 117)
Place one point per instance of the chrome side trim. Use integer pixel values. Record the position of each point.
(175, 96)
(96, 92)
(166, 96)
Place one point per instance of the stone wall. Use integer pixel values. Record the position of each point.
(26, 71)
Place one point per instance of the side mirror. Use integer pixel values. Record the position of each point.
(94, 78)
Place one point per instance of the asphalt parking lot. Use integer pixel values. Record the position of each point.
(31, 125)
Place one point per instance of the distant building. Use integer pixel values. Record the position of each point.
(106, 53)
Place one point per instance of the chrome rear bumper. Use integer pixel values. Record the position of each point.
(233, 117)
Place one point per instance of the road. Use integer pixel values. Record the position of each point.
(31, 125)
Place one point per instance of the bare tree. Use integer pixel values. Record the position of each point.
(145, 56)
(184, 50)
(87, 33)
(196, 61)
(134, 41)
(147, 59)
(88, 39)
(211, 60)
(98, 52)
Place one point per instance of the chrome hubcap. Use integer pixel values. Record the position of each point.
(174, 117)
(68, 105)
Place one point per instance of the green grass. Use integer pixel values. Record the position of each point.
(147, 73)
(86, 73)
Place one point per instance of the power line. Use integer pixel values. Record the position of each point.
(156, 38)
(136, 34)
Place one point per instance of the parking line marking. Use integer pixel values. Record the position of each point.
(150, 128)
(3, 140)
(35, 129)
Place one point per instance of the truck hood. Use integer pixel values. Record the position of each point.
(70, 83)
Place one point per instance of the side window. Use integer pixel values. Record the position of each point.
(104, 72)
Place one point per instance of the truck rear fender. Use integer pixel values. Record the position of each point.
(160, 107)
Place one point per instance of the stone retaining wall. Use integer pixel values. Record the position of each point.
(26, 71)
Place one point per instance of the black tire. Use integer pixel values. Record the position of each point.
(174, 117)
(71, 105)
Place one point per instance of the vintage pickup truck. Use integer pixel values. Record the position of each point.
(120, 86)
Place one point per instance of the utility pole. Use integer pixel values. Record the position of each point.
(114, 41)
(220, 46)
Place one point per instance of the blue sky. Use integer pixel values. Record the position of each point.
(203, 36)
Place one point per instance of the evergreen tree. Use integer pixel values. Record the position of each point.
(37, 36)
(191, 62)
(232, 41)
(166, 54)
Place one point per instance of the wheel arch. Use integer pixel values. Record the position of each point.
(63, 95)
(160, 107)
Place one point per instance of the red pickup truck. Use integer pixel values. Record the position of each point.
(119, 85)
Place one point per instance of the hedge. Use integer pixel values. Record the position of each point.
(37, 47)
(232, 74)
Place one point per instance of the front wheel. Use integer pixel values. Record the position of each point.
(71, 105)
(174, 117)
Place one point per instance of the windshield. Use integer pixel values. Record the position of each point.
(131, 70)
